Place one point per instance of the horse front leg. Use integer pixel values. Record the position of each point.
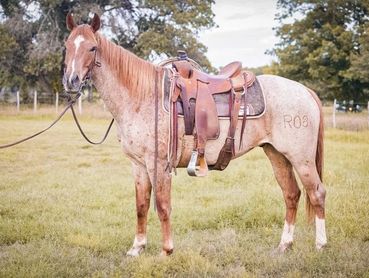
(163, 205)
(143, 193)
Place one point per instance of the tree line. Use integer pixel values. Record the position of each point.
(326, 47)
(322, 44)
(32, 34)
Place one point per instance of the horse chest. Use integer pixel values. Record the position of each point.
(135, 137)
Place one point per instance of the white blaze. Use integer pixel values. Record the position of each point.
(77, 43)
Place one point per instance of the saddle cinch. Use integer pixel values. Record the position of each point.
(196, 89)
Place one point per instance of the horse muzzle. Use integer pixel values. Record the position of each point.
(71, 83)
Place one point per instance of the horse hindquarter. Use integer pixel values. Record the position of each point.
(295, 119)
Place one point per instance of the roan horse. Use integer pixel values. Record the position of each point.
(290, 131)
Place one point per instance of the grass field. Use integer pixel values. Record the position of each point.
(67, 210)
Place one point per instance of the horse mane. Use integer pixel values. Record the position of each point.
(134, 73)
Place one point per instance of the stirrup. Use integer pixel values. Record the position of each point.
(197, 171)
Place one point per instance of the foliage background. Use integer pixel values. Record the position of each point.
(325, 45)
(32, 34)
(322, 44)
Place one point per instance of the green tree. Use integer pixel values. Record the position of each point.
(319, 48)
(358, 73)
(32, 33)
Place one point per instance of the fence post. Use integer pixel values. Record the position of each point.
(18, 101)
(334, 113)
(80, 105)
(56, 102)
(368, 113)
(35, 101)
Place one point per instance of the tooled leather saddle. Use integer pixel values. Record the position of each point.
(196, 90)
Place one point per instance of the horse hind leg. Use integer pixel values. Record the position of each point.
(315, 199)
(143, 193)
(286, 179)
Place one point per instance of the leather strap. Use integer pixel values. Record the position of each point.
(156, 143)
(187, 107)
(84, 135)
(227, 151)
(173, 126)
(174, 136)
(71, 102)
(40, 132)
(235, 111)
(244, 110)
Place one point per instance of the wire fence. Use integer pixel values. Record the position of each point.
(346, 115)
(35, 99)
(350, 114)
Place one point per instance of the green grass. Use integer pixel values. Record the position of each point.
(67, 209)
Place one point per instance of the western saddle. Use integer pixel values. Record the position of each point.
(195, 89)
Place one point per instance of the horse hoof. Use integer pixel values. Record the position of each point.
(320, 247)
(283, 248)
(135, 251)
(165, 253)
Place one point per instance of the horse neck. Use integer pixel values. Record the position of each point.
(124, 80)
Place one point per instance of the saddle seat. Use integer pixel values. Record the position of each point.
(220, 83)
(230, 70)
(196, 89)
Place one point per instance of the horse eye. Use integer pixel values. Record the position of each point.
(93, 49)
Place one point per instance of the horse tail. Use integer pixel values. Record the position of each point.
(319, 159)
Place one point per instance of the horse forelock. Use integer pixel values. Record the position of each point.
(83, 30)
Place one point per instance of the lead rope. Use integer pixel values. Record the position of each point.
(71, 101)
(84, 135)
(155, 178)
(40, 132)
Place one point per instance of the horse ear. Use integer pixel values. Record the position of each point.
(70, 22)
(95, 22)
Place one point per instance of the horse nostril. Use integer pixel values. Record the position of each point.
(71, 82)
(74, 80)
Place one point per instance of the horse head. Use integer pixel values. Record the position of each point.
(81, 49)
